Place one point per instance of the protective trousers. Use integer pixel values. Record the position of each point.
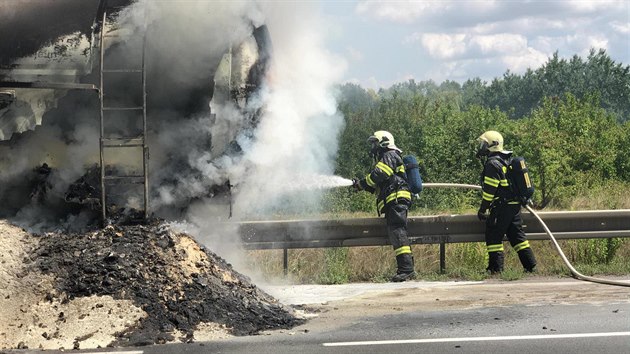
(396, 215)
(505, 219)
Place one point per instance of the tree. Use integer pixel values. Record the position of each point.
(569, 144)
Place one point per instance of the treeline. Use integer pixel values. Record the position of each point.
(569, 119)
(519, 95)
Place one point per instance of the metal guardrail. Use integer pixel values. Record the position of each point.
(438, 229)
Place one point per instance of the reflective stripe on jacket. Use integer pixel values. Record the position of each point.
(388, 180)
(494, 183)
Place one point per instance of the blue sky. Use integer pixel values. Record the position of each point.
(384, 42)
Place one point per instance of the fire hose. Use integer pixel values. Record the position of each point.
(574, 272)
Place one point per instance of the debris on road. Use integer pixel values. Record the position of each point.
(125, 286)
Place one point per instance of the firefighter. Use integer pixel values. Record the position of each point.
(388, 180)
(503, 204)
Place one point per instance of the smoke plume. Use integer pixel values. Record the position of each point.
(280, 139)
(297, 137)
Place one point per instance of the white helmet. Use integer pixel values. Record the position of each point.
(382, 139)
(490, 141)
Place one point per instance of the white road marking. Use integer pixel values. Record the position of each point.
(131, 352)
(477, 339)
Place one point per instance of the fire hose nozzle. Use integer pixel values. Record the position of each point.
(355, 184)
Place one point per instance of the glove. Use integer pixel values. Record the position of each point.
(355, 185)
(481, 215)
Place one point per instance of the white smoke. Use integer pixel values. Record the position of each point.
(298, 134)
(186, 42)
(66, 151)
(292, 148)
(200, 29)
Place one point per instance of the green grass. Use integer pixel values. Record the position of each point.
(512, 274)
(618, 267)
(336, 267)
(464, 261)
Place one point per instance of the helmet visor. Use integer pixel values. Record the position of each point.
(483, 149)
(373, 144)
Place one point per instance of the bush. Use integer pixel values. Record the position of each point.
(336, 270)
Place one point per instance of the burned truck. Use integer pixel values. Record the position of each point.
(124, 105)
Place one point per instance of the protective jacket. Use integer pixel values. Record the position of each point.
(388, 180)
(505, 215)
(495, 185)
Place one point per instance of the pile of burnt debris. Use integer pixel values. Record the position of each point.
(177, 282)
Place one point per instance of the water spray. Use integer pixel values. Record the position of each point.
(574, 272)
(311, 182)
(331, 182)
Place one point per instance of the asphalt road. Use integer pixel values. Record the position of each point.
(531, 316)
(543, 329)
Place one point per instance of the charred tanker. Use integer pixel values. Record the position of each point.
(202, 69)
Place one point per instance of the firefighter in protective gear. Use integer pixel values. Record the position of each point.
(503, 205)
(388, 180)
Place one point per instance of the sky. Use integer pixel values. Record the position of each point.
(385, 42)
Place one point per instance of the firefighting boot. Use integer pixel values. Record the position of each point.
(527, 259)
(405, 268)
(495, 262)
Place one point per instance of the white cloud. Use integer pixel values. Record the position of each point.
(589, 6)
(582, 44)
(451, 13)
(548, 44)
(459, 39)
(463, 13)
(621, 27)
(461, 45)
(579, 43)
(530, 58)
(444, 46)
(459, 70)
(532, 25)
(484, 28)
(460, 55)
(597, 41)
(400, 11)
(502, 43)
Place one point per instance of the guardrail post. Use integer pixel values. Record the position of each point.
(442, 254)
(285, 261)
(285, 256)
